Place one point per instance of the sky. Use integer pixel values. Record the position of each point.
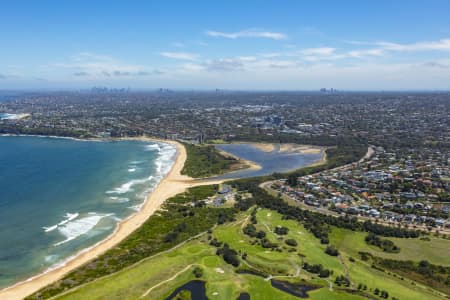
(226, 44)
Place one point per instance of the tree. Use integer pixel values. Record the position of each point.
(291, 242)
(292, 180)
(324, 273)
(281, 230)
(331, 250)
(198, 272)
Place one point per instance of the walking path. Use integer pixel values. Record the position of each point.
(167, 280)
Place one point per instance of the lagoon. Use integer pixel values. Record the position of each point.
(274, 161)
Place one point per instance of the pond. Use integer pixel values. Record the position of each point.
(243, 296)
(196, 287)
(295, 289)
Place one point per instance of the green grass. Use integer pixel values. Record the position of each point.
(206, 161)
(195, 193)
(217, 141)
(402, 289)
(134, 281)
(326, 294)
(435, 250)
(163, 230)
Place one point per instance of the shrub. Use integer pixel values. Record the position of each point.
(331, 250)
(265, 243)
(281, 230)
(198, 272)
(291, 242)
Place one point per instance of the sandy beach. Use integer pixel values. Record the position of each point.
(304, 149)
(245, 163)
(174, 183)
(266, 147)
(288, 148)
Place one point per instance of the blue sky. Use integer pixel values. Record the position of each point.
(294, 45)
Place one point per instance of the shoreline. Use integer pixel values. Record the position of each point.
(173, 183)
(249, 165)
(288, 148)
(321, 161)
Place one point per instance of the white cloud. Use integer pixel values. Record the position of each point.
(289, 74)
(440, 45)
(247, 58)
(91, 66)
(271, 54)
(324, 51)
(238, 63)
(365, 52)
(225, 64)
(180, 55)
(250, 33)
(192, 67)
(331, 54)
(276, 64)
(89, 56)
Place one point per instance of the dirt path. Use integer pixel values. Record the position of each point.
(167, 280)
(346, 271)
(245, 222)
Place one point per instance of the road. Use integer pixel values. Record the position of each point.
(370, 152)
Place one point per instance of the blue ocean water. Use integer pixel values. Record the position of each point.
(6, 116)
(59, 196)
(271, 162)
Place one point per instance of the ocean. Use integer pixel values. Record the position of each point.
(59, 196)
(5, 116)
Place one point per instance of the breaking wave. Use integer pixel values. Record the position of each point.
(127, 187)
(68, 217)
(78, 227)
(119, 200)
(152, 147)
(162, 164)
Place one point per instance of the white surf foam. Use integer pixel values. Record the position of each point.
(164, 162)
(127, 187)
(51, 258)
(152, 147)
(78, 227)
(119, 200)
(51, 228)
(136, 207)
(131, 170)
(68, 217)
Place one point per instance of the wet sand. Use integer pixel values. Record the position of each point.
(174, 183)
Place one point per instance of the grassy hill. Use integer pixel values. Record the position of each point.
(162, 274)
(206, 161)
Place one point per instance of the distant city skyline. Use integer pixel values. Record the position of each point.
(239, 45)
